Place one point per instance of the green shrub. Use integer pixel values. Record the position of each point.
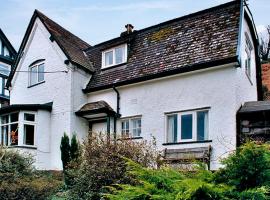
(19, 180)
(103, 164)
(248, 167)
(245, 176)
(65, 150)
(74, 148)
(13, 164)
(28, 188)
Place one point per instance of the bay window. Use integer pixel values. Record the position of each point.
(131, 127)
(12, 135)
(187, 126)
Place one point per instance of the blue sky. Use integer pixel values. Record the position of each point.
(99, 20)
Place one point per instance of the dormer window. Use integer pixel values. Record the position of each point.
(114, 56)
(36, 73)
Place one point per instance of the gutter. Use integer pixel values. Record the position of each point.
(118, 115)
(179, 70)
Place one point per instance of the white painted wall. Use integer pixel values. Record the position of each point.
(57, 89)
(215, 88)
(223, 89)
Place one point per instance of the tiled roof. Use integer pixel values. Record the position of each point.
(95, 107)
(255, 106)
(185, 43)
(71, 45)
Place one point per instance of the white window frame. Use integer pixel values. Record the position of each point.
(31, 123)
(130, 119)
(9, 124)
(248, 52)
(114, 57)
(37, 73)
(21, 122)
(179, 125)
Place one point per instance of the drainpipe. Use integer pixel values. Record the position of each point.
(117, 110)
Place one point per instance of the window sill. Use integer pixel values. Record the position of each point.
(36, 84)
(190, 142)
(131, 138)
(22, 147)
(112, 66)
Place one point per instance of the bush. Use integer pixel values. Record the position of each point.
(103, 164)
(19, 180)
(65, 150)
(28, 188)
(14, 165)
(244, 177)
(248, 167)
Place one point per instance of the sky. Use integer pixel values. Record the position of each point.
(96, 21)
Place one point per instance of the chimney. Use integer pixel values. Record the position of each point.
(129, 28)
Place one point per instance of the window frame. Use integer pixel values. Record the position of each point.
(21, 122)
(248, 52)
(104, 66)
(37, 65)
(8, 124)
(194, 125)
(31, 123)
(131, 128)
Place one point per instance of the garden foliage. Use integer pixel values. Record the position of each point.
(103, 163)
(245, 176)
(19, 180)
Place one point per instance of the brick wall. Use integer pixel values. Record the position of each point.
(266, 75)
(266, 79)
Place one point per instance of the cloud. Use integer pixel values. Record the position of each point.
(261, 28)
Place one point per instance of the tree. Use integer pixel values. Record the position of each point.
(65, 151)
(74, 148)
(265, 44)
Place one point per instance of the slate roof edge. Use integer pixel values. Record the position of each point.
(24, 42)
(165, 23)
(31, 107)
(10, 46)
(179, 70)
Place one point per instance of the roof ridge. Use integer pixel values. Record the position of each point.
(193, 14)
(44, 17)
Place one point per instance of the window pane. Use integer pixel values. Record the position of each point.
(14, 134)
(41, 73)
(108, 58)
(33, 75)
(125, 128)
(6, 52)
(172, 128)
(202, 125)
(14, 117)
(186, 127)
(4, 135)
(119, 55)
(28, 134)
(136, 127)
(1, 85)
(4, 119)
(29, 117)
(6, 91)
(4, 69)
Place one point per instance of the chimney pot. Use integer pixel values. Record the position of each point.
(129, 28)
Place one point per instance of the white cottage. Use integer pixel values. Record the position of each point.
(181, 81)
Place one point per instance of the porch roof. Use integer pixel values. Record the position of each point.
(95, 109)
(254, 106)
(30, 107)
